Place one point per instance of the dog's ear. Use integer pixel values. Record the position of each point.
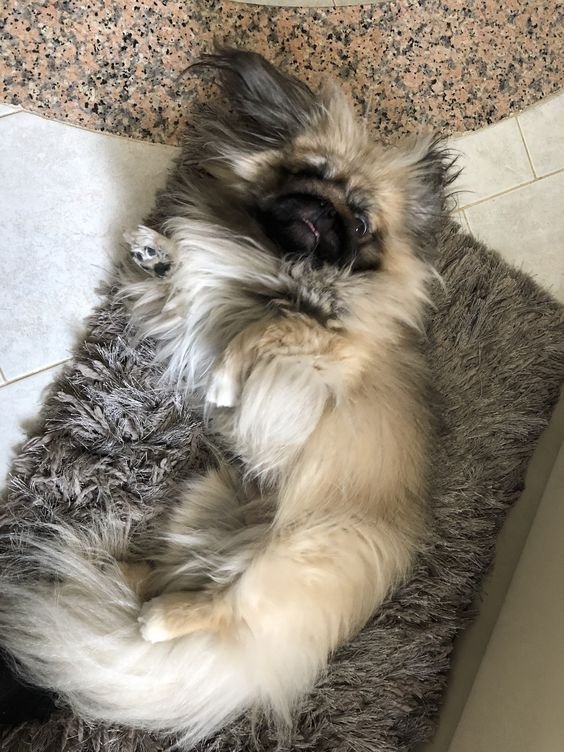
(431, 172)
(273, 103)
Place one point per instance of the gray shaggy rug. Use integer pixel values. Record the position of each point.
(111, 440)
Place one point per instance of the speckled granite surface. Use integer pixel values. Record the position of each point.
(453, 64)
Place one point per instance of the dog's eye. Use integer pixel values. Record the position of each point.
(360, 226)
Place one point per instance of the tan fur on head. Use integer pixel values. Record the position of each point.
(284, 293)
(400, 189)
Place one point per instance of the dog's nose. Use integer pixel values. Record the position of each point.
(328, 210)
(325, 216)
(325, 210)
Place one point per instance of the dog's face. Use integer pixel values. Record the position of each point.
(312, 209)
(307, 171)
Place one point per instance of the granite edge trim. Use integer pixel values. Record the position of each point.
(312, 4)
(455, 134)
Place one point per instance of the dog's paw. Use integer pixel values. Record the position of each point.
(224, 389)
(176, 614)
(153, 622)
(150, 250)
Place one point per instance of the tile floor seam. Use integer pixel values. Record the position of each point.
(529, 157)
(509, 190)
(11, 114)
(472, 232)
(21, 377)
(550, 174)
(467, 222)
(496, 195)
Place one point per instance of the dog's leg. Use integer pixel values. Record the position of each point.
(336, 358)
(136, 573)
(212, 534)
(315, 586)
(280, 375)
(176, 614)
(150, 250)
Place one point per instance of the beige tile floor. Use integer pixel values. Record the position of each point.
(67, 194)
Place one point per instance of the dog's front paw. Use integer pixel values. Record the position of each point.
(150, 250)
(224, 389)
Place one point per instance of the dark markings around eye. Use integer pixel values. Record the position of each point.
(370, 253)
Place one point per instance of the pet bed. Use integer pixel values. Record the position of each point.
(112, 441)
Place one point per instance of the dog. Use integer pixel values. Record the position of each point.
(284, 279)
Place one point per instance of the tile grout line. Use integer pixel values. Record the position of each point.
(526, 147)
(32, 373)
(11, 114)
(497, 195)
(470, 230)
(510, 190)
(550, 174)
(459, 216)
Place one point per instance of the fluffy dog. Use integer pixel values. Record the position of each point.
(284, 281)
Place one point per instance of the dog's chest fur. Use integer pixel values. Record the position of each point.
(310, 291)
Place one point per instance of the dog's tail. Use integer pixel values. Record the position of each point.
(69, 618)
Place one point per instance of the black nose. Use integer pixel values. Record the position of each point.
(302, 223)
(327, 209)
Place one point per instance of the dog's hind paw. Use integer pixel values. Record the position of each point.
(153, 623)
(150, 250)
(173, 615)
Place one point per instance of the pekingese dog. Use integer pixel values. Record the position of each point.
(284, 280)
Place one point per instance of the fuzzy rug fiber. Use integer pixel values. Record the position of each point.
(111, 440)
